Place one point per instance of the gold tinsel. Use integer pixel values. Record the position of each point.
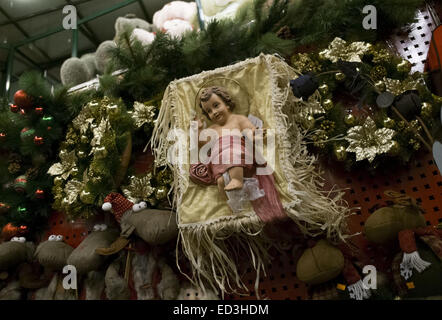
(303, 63)
(66, 167)
(398, 87)
(340, 50)
(139, 188)
(143, 114)
(367, 140)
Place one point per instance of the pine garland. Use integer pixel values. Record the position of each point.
(347, 124)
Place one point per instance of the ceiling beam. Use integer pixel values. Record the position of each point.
(84, 28)
(42, 52)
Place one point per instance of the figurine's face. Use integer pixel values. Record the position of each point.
(216, 109)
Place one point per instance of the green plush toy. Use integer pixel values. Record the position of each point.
(319, 264)
(53, 253)
(384, 224)
(84, 257)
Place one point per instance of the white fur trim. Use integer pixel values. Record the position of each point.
(358, 292)
(412, 261)
(107, 206)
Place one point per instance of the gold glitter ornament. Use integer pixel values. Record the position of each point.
(378, 73)
(304, 63)
(81, 154)
(404, 66)
(389, 123)
(323, 89)
(327, 126)
(65, 202)
(380, 85)
(327, 104)
(143, 114)
(139, 188)
(340, 153)
(58, 180)
(367, 141)
(395, 148)
(160, 193)
(100, 152)
(86, 197)
(84, 139)
(308, 122)
(339, 76)
(339, 49)
(349, 119)
(427, 109)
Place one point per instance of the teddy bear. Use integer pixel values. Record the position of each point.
(16, 269)
(176, 18)
(75, 70)
(156, 228)
(52, 254)
(222, 9)
(417, 268)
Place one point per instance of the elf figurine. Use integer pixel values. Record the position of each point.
(121, 208)
(154, 226)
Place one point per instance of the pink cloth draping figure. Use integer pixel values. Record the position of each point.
(230, 167)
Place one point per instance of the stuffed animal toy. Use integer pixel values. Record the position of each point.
(153, 277)
(117, 287)
(53, 253)
(139, 29)
(222, 9)
(320, 263)
(384, 224)
(155, 227)
(417, 270)
(84, 257)
(189, 292)
(176, 18)
(75, 71)
(13, 254)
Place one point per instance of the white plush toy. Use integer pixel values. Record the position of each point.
(176, 17)
(222, 9)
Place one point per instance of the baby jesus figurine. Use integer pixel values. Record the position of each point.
(217, 105)
(242, 181)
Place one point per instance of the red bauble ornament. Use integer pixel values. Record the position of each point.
(2, 136)
(39, 194)
(22, 99)
(22, 112)
(38, 140)
(4, 207)
(14, 108)
(39, 110)
(9, 231)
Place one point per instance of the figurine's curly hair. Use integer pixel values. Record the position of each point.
(221, 92)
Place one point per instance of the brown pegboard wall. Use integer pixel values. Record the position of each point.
(420, 180)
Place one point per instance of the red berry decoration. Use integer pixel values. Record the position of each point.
(38, 140)
(14, 108)
(39, 194)
(3, 207)
(23, 100)
(39, 110)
